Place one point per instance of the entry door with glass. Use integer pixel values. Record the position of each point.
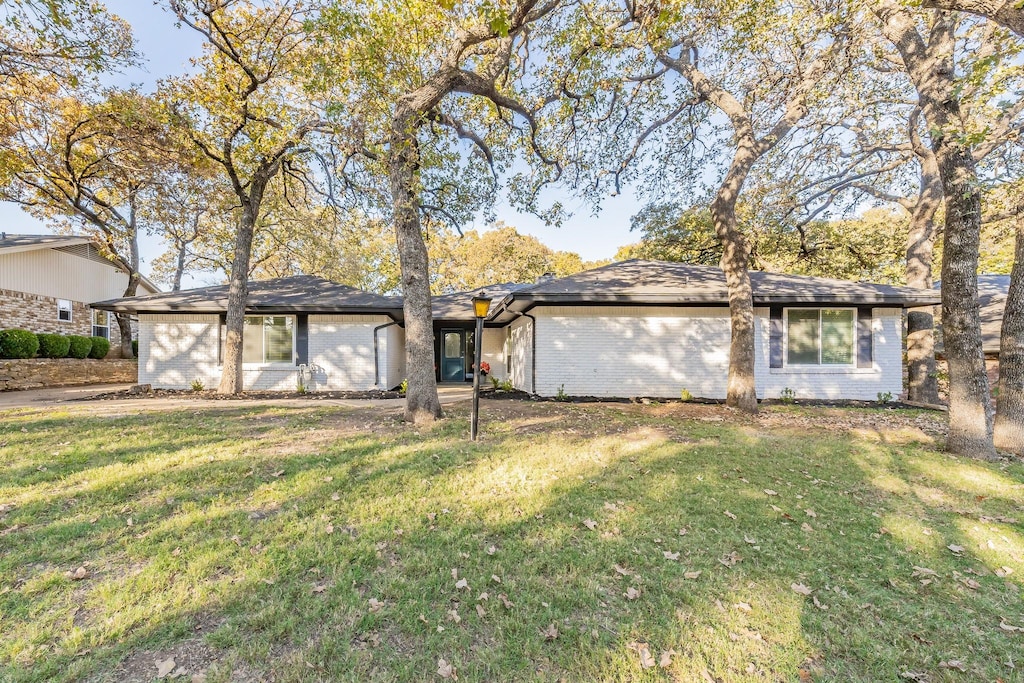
(453, 356)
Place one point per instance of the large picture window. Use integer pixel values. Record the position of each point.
(268, 339)
(821, 336)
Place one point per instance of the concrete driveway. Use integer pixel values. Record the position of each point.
(34, 398)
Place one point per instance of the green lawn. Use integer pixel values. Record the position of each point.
(575, 543)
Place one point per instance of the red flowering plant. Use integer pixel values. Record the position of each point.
(485, 368)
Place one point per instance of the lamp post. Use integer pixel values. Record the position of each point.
(481, 303)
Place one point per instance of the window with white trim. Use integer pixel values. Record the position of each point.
(825, 336)
(64, 310)
(100, 323)
(268, 339)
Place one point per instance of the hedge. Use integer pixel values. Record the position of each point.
(100, 347)
(18, 344)
(53, 345)
(80, 346)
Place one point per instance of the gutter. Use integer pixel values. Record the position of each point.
(376, 353)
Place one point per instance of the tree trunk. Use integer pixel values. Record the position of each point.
(231, 379)
(1009, 427)
(922, 383)
(422, 405)
(1006, 12)
(930, 66)
(179, 267)
(124, 321)
(970, 403)
(741, 392)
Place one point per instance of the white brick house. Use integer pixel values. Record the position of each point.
(635, 328)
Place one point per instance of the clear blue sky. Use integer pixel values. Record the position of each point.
(167, 49)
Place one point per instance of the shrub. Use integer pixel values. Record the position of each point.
(787, 396)
(197, 385)
(100, 348)
(685, 396)
(135, 347)
(53, 345)
(18, 344)
(80, 346)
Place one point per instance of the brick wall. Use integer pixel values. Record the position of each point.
(647, 351)
(39, 314)
(175, 349)
(35, 373)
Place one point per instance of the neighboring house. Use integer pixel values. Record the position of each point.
(47, 282)
(635, 328)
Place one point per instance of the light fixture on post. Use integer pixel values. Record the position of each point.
(481, 304)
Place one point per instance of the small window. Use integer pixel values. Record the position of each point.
(820, 337)
(64, 310)
(100, 323)
(268, 339)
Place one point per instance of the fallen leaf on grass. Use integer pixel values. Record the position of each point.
(491, 550)
(665, 660)
(730, 559)
(800, 588)
(729, 515)
(199, 677)
(922, 571)
(453, 615)
(446, 670)
(1003, 572)
(495, 578)
(376, 605)
(742, 606)
(953, 664)
(691, 575)
(590, 524)
(770, 492)
(320, 587)
(644, 650)
(78, 574)
(819, 605)
(278, 473)
(1010, 628)
(622, 570)
(632, 593)
(335, 496)
(810, 513)
(329, 528)
(550, 633)
(955, 549)
(480, 610)
(164, 667)
(972, 584)
(670, 555)
(505, 601)
(806, 527)
(462, 583)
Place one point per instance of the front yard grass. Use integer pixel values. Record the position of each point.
(573, 543)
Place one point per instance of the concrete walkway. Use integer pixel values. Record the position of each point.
(29, 398)
(66, 397)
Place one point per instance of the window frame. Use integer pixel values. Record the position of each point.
(70, 310)
(785, 337)
(95, 326)
(265, 363)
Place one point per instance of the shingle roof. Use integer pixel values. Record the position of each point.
(11, 243)
(638, 281)
(458, 306)
(299, 293)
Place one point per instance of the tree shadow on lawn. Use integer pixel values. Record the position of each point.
(286, 566)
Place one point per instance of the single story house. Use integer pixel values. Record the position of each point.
(47, 282)
(633, 328)
(992, 291)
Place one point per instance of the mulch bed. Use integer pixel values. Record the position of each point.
(211, 395)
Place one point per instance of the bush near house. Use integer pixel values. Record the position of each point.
(53, 345)
(18, 344)
(100, 348)
(135, 347)
(80, 346)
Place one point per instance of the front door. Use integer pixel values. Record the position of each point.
(453, 356)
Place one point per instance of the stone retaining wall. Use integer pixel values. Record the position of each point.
(36, 373)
